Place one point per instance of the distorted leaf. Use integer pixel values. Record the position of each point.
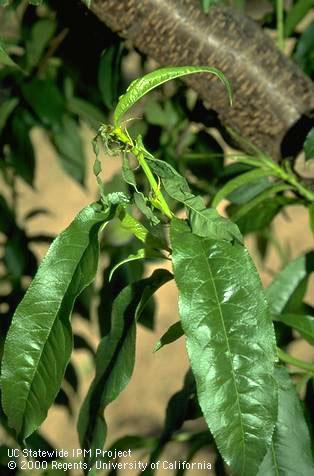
(144, 85)
(142, 204)
(204, 221)
(230, 343)
(137, 229)
(128, 173)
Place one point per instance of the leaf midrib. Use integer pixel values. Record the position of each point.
(229, 350)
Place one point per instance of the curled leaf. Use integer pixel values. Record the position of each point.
(144, 85)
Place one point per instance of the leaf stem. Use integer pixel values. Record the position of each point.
(288, 359)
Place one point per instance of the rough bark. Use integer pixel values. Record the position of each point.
(270, 92)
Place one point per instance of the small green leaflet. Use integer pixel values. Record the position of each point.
(230, 343)
(171, 335)
(41, 330)
(309, 145)
(115, 359)
(147, 83)
(290, 452)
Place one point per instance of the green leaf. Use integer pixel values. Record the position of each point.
(290, 452)
(309, 145)
(204, 221)
(171, 335)
(6, 108)
(247, 192)
(68, 143)
(206, 4)
(286, 282)
(304, 54)
(40, 35)
(230, 343)
(115, 359)
(257, 200)
(207, 222)
(41, 329)
(5, 59)
(142, 204)
(109, 72)
(86, 111)
(238, 182)
(7, 218)
(127, 172)
(302, 323)
(45, 99)
(22, 156)
(295, 14)
(257, 217)
(144, 85)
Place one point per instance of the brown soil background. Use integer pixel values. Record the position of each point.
(140, 408)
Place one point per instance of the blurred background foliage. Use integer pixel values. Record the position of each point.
(61, 68)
